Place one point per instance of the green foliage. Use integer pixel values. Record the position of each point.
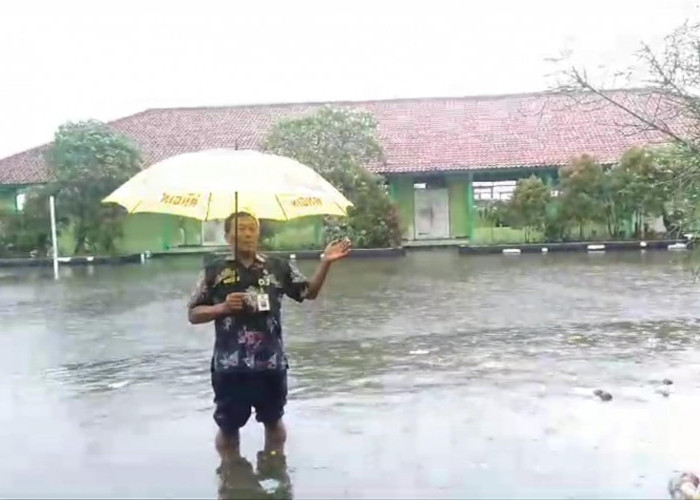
(334, 141)
(636, 188)
(374, 221)
(581, 191)
(680, 169)
(298, 234)
(89, 160)
(339, 144)
(603, 203)
(669, 107)
(495, 214)
(527, 208)
(556, 227)
(29, 231)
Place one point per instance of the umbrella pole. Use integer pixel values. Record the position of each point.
(235, 224)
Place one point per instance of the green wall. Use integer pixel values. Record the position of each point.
(458, 188)
(8, 199)
(156, 232)
(144, 232)
(401, 188)
(459, 210)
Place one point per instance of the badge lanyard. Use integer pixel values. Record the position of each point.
(263, 296)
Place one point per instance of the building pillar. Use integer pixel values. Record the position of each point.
(401, 192)
(318, 230)
(167, 232)
(471, 213)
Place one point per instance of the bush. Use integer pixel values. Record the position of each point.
(527, 209)
(29, 231)
(339, 144)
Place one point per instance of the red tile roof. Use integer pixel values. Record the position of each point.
(419, 135)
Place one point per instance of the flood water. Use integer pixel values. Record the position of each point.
(435, 375)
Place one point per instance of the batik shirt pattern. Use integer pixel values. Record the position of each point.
(252, 339)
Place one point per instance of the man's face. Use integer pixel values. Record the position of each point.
(248, 233)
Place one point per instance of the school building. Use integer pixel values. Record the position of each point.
(444, 156)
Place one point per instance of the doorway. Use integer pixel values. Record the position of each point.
(432, 212)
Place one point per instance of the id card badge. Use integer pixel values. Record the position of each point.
(263, 302)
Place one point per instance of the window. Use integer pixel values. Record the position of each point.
(213, 233)
(432, 182)
(493, 190)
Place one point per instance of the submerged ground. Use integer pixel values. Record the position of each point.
(434, 375)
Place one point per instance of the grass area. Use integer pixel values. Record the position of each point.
(302, 235)
(503, 235)
(487, 235)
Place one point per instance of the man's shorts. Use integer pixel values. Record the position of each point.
(236, 394)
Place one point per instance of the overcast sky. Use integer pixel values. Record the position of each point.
(72, 59)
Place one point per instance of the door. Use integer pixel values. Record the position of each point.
(432, 213)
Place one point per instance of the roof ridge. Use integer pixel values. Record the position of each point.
(341, 102)
(27, 151)
(489, 132)
(129, 117)
(49, 143)
(350, 102)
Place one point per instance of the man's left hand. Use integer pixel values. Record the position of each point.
(337, 250)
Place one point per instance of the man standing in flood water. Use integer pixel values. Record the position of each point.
(243, 296)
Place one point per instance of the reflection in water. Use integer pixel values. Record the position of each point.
(238, 480)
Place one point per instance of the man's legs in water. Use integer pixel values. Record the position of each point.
(228, 444)
(275, 436)
(233, 409)
(269, 409)
(234, 396)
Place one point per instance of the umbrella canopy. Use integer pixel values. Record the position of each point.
(210, 185)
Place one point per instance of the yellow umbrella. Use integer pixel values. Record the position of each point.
(210, 185)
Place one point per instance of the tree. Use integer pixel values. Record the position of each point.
(636, 188)
(681, 211)
(670, 107)
(581, 192)
(556, 227)
(339, 144)
(89, 160)
(528, 206)
(671, 75)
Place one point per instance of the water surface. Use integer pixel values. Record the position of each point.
(435, 375)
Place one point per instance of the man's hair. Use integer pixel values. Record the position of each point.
(229, 220)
